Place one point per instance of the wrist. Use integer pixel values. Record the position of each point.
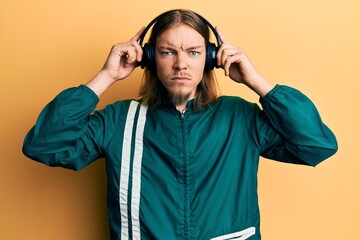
(260, 85)
(100, 82)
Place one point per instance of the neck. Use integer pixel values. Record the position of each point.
(181, 107)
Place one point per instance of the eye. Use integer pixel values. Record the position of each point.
(194, 53)
(167, 53)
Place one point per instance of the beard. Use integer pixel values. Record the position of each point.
(179, 98)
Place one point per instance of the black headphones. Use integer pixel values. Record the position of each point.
(148, 59)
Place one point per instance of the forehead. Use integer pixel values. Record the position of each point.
(180, 35)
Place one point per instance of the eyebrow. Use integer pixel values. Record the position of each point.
(175, 48)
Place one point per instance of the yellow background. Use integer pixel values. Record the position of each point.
(47, 46)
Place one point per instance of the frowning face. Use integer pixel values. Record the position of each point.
(180, 60)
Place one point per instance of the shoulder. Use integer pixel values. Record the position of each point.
(236, 103)
(235, 107)
(117, 109)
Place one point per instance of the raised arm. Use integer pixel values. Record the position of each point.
(239, 68)
(66, 133)
(304, 138)
(121, 61)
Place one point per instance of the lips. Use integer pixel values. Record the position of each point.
(181, 78)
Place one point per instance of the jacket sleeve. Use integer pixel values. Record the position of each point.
(304, 138)
(66, 133)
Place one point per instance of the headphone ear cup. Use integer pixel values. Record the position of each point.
(148, 59)
(211, 51)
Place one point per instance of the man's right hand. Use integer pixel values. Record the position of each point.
(121, 61)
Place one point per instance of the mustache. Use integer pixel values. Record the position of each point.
(181, 75)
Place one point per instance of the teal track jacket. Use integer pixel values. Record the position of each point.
(173, 175)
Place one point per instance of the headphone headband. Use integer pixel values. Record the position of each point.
(143, 34)
(148, 60)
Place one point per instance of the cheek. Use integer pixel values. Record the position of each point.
(163, 66)
(199, 64)
(161, 72)
(199, 68)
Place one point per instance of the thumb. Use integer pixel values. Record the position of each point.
(221, 35)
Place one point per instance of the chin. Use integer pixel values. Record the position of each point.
(179, 97)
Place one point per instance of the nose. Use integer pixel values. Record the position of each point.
(180, 62)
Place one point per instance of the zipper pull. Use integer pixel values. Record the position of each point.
(182, 113)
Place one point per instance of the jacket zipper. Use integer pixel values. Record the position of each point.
(187, 201)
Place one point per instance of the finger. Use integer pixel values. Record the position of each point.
(221, 35)
(224, 53)
(226, 65)
(221, 55)
(132, 51)
(230, 60)
(135, 42)
(138, 50)
(138, 34)
(131, 55)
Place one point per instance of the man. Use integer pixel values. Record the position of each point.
(181, 162)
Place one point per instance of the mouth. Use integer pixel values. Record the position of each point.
(180, 78)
